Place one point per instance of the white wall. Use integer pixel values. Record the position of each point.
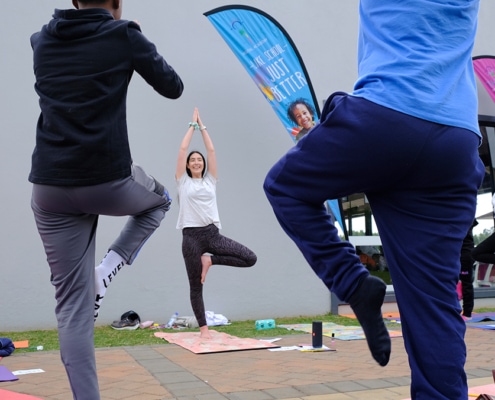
(248, 137)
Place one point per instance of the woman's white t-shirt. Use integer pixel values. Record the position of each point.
(197, 201)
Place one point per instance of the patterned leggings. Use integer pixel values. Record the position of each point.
(224, 251)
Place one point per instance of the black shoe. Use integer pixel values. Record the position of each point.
(125, 324)
(131, 315)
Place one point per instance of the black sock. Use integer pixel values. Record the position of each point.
(366, 302)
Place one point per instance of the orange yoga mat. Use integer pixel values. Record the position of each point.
(21, 344)
(387, 315)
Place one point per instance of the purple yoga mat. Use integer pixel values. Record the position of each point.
(6, 375)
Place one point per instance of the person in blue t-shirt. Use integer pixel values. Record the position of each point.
(407, 136)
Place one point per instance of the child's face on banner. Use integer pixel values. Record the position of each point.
(303, 116)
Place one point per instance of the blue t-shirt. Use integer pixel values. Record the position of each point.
(415, 57)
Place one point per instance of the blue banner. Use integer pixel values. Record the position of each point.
(272, 61)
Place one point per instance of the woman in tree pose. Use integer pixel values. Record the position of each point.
(202, 244)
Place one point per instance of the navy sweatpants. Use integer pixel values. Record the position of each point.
(67, 217)
(421, 180)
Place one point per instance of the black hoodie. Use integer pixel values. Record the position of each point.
(83, 63)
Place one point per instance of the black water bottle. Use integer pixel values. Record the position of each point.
(317, 334)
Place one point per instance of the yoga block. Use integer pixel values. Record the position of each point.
(265, 324)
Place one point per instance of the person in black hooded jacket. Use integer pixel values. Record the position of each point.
(82, 167)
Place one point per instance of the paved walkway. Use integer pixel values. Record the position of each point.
(168, 371)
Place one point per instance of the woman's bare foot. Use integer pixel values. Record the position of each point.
(204, 333)
(206, 263)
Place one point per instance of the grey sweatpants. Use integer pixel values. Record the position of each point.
(67, 217)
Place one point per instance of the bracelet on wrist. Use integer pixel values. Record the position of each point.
(202, 128)
(194, 125)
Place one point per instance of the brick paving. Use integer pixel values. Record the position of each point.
(167, 371)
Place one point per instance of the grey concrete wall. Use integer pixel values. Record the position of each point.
(248, 138)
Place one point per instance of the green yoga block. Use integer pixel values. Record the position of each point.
(262, 324)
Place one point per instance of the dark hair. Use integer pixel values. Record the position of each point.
(92, 1)
(304, 102)
(187, 162)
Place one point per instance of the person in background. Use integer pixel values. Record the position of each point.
(484, 252)
(466, 276)
(202, 243)
(407, 136)
(366, 260)
(82, 167)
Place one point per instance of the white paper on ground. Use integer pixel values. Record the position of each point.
(27, 371)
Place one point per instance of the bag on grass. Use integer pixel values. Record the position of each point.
(6, 347)
(186, 322)
(213, 319)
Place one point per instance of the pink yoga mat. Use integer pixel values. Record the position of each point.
(485, 389)
(7, 395)
(218, 343)
(474, 392)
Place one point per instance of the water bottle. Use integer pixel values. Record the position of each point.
(317, 334)
(171, 321)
